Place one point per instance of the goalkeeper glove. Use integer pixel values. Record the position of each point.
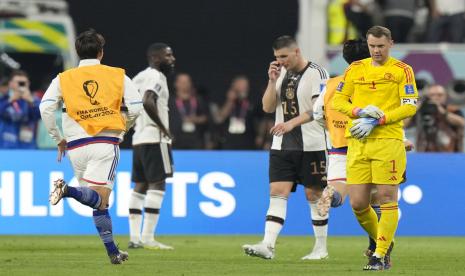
(369, 111)
(362, 127)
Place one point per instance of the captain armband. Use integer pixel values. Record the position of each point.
(411, 101)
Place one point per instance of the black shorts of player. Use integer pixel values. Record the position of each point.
(151, 163)
(307, 168)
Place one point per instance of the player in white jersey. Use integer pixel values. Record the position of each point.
(152, 158)
(93, 125)
(297, 154)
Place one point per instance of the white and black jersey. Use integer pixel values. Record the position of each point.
(146, 131)
(295, 92)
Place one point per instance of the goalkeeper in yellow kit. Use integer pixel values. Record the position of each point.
(377, 93)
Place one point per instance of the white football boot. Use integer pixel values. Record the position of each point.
(156, 245)
(260, 249)
(324, 203)
(317, 255)
(59, 188)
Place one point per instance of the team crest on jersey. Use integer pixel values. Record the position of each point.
(409, 89)
(290, 93)
(340, 86)
(389, 76)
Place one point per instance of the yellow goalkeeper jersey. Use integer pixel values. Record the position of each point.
(391, 87)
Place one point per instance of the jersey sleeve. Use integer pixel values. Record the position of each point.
(318, 79)
(344, 91)
(408, 95)
(152, 83)
(318, 108)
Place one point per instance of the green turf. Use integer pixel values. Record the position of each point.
(222, 255)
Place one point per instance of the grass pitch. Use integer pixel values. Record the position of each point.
(222, 255)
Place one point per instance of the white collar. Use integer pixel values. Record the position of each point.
(87, 62)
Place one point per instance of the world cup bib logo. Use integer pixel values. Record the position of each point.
(91, 88)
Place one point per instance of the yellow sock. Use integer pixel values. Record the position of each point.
(368, 220)
(387, 227)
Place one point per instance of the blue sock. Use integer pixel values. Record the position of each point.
(336, 201)
(102, 221)
(84, 195)
(377, 209)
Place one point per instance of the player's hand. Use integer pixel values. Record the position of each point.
(274, 71)
(362, 127)
(61, 150)
(408, 145)
(167, 134)
(370, 111)
(281, 129)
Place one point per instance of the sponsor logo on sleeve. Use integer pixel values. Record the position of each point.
(340, 86)
(409, 101)
(409, 90)
(157, 87)
(322, 87)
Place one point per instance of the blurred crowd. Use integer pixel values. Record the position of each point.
(410, 21)
(238, 123)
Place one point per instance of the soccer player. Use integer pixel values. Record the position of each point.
(93, 125)
(377, 93)
(152, 160)
(297, 154)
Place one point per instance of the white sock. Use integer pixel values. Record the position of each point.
(320, 228)
(152, 206)
(136, 203)
(275, 218)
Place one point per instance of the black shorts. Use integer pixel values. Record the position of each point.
(152, 163)
(307, 168)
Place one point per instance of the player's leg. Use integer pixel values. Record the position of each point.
(313, 175)
(158, 166)
(136, 204)
(275, 217)
(335, 192)
(282, 174)
(137, 197)
(376, 206)
(99, 175)
(388, 168)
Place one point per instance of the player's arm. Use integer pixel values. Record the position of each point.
(48, 106)
(344, 91)
(408, 95)
(270, 98)
(318, 84)
(133, 102)
(150, 105)
(285, 127)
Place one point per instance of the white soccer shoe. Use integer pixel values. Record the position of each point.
(156, 245)
(324, 203)
(316, 255)
(261, 250)
(59, 187)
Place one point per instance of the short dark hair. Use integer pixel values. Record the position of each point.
(283, 42)
(89, 44)
(15, 73)
(379, 31)
(155, 48)
(355, 49)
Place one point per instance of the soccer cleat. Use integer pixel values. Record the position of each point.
(324, 203)
(156, 245)
(261, 250)
(374, 263)
(59, 189)
(368, 253)
(387, 257)
(315, 255)
(135, 245)
(119, 258)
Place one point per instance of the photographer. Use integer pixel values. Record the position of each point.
(439, 126)
(19, 113)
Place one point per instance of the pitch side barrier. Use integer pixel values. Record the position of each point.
(220, 192)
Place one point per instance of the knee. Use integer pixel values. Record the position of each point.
(158, 186)
(357, 204)
(140, 188)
